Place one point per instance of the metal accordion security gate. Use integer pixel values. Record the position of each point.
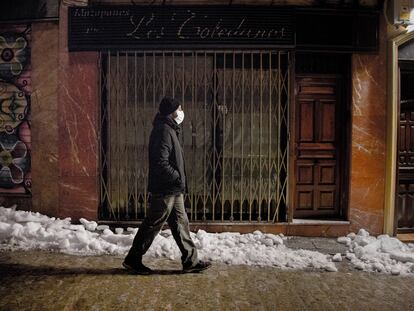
(235, 132)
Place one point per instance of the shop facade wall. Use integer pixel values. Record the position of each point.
(72, 178)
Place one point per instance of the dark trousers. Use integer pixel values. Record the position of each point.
(164, 208)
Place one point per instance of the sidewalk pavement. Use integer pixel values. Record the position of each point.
(39, 280)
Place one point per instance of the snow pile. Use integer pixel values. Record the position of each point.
(258, 249)
(382, 254)
(27, 230)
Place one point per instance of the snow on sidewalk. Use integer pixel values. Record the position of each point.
(379, 254)
(27, 230)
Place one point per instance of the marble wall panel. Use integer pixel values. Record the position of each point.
(45, 169)
(77, 128)
(77, 195)
(367, 183)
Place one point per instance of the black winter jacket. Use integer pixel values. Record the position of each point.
(166, 158)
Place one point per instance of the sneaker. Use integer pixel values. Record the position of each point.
(136, 267)
(200, 266)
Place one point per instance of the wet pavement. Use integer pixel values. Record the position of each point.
(40, 280)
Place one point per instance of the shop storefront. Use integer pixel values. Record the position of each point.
(285, 113)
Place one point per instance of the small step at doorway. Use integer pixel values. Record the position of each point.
(406, 237)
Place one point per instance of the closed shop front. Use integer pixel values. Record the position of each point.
(272, 112)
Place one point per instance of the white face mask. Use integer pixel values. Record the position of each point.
(180, 117)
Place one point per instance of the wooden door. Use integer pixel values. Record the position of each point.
(405, 196)
(405, 201)
(318, 147)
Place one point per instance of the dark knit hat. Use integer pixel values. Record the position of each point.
(168, 105)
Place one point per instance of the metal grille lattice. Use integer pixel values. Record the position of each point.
(234, 134)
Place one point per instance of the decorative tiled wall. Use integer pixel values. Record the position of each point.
(15, 106)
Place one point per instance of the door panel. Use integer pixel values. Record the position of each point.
(318, 147)
(327, 121)
(307, 115)
(405, 196)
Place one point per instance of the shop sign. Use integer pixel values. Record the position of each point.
(132, 27)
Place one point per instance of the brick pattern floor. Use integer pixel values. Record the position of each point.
(39, 280)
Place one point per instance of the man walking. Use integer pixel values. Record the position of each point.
(166, 185)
